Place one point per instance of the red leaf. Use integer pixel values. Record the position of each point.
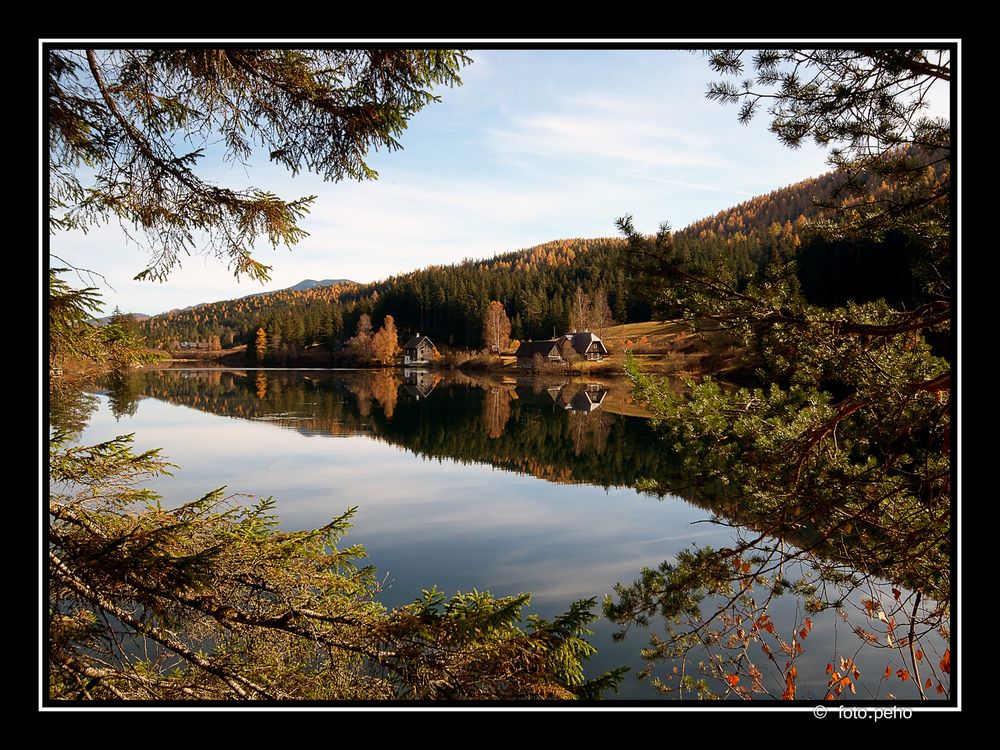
(805, 629)
(789, 693)
(829, 667)
(896, 593)
(940, 688)
(888, 671)
(733, 679)
(919, 654)
(946, 661)
(928, 683)
(903, 674)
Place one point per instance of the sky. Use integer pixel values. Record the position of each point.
(535, 145)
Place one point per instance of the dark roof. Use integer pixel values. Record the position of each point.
(582, 341)
(414, 342)
(587, 401)
(531, 348)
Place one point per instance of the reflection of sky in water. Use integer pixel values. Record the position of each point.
(458, 526)
(423, 521)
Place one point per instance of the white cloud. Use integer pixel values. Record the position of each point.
(535, 146)
(586, 136)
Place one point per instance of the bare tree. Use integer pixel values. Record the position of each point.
(579, 312)
(600, 312)
(361, 343)
(496, 328)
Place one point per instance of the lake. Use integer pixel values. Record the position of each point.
(495, 483)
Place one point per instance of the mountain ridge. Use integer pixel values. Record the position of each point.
(537, 284)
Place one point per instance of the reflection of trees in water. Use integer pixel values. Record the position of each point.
(260, 383)
(123, 389)
(70, 408)
(488, 420)
(381, 385)
(789, 549)
(590, 431)
(385, 389)
(884, 574)
(496, 410)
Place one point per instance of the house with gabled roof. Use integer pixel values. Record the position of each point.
(419, 350)
(547, 350)
(587, 344)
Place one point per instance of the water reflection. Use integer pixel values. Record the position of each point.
(418, 450)
(555, 431)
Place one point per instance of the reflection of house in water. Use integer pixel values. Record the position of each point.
(585, 401)
(419, 383)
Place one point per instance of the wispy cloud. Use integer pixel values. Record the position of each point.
(587, 134)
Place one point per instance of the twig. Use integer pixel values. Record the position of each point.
(913, 656)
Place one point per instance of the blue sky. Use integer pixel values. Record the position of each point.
(534, 146)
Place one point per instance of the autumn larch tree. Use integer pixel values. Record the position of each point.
(385, 343)
(260, 345)
(361, 343)
(496, 328)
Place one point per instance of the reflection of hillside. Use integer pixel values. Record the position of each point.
(491, 420)
(528, 427)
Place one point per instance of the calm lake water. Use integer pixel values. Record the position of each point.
(460, 482)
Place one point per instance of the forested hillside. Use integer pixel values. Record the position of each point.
(537, 285)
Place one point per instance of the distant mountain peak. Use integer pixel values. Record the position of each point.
(312, 284)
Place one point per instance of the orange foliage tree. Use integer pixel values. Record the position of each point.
(496, 328)
(385, 343)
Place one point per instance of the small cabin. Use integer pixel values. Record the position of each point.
(587, 344)
(547, 350)
(419, 350)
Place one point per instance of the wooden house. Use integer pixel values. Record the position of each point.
(587, 344)
(547, 350)
(419, 350)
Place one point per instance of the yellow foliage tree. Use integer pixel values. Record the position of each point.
(385, 343)
(496, 328)
(260, 345)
